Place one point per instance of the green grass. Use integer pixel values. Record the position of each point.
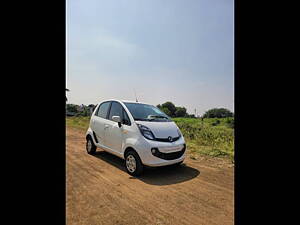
(80, 122)
(212, 137)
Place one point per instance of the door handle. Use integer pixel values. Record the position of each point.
(106, 126)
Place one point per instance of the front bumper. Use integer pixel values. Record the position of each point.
(167, 154)
(157, 163)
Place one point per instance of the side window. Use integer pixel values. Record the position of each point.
(103, 108)
(126, 119)
(115, 110)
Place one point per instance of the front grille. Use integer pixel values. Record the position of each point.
(167, 140)
(169, 156)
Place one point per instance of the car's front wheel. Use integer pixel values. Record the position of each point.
(133, 164)
(90, 146)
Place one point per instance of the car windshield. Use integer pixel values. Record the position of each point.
(144, 112)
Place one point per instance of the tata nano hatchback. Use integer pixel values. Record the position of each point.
(139, 133)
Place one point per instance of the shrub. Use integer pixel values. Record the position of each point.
(230, 122)
(218, 113)
(205, 138)
(217, 122)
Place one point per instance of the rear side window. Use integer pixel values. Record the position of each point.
(103, 108)
(115, 110)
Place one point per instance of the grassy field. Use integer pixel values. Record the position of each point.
(212, 137)
(81, 122)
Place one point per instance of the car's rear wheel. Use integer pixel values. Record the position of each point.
(90, 146)
(133, 163)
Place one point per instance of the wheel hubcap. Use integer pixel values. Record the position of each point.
(89, 145)
(131, 163)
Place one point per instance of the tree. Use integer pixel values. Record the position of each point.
(218, 113)
(191, 116)
(170, 106)
(72, 108)
(180, 112)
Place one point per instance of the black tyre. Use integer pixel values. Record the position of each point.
(90, 146)
(133, 164)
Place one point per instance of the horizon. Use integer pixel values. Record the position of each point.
(133, 101)
(162, 50)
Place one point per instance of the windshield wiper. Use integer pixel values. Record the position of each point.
(158, 116)
(140, 119)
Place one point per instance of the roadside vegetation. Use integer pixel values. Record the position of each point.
(79, 122)
(210, 136)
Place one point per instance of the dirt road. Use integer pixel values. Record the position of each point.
(99, 191)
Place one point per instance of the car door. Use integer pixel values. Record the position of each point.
(98, 122)
(114, 133)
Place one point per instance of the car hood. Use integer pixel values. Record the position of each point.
(161, 129)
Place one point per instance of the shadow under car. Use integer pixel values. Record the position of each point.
(164, 175)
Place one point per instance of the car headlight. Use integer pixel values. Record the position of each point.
(146, 132)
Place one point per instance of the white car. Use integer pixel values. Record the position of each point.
(137, 132)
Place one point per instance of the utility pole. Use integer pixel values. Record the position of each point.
(195, 113)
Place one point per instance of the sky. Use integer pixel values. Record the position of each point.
(164, 50)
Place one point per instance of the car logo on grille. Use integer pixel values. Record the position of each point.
(170, 138)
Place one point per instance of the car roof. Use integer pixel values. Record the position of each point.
(129, 101)
(125, 101)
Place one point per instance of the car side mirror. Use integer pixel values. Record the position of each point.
(117, 119)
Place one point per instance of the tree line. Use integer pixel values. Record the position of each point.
(176, 111)
(80, 110)
(168, 108)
